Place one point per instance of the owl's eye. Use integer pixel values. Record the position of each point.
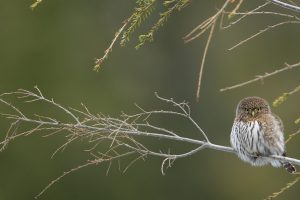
(258, 109)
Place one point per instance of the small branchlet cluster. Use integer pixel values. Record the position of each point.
(96, 129)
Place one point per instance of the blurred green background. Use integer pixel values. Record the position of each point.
(54, 47)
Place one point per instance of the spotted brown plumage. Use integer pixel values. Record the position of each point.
(257, 133)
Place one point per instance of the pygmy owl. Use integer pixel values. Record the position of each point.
(257, 132)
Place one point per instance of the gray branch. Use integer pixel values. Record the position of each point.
(123, 133)
(286, 5)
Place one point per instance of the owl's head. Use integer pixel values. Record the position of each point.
(252, 107)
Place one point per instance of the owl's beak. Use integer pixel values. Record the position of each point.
(253, 113)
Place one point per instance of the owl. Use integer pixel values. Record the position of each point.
(257, 133)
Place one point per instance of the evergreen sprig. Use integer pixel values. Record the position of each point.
(171, 6)
(279, 100)
(141, 12)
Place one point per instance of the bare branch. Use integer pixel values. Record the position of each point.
(286, 5)
(262, 77)
(203, 59)
(39, 97)
(244, 14)
(14, 108)
(263, 31)
(122, 133)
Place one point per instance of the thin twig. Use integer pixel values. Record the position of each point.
(99, 61)
(286, 5)
(205, 25)
(262, 31)
(203, 60)
(244, 15)
(279, 100)
(261, 13)
(292, 136)
(261, 77)
(290, 184)
(89, 163)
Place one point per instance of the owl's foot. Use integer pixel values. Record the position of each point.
(256, 155)
(284, 154)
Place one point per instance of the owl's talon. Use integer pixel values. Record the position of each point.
(256, 155)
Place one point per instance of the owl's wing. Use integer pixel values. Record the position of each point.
(279, 121)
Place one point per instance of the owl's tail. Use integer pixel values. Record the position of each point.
(289, 167)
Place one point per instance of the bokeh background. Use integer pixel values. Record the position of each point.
(54, 47)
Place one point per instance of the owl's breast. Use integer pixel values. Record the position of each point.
(247, 136)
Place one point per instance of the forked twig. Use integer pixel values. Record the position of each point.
(243, 15)
(205, 25)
